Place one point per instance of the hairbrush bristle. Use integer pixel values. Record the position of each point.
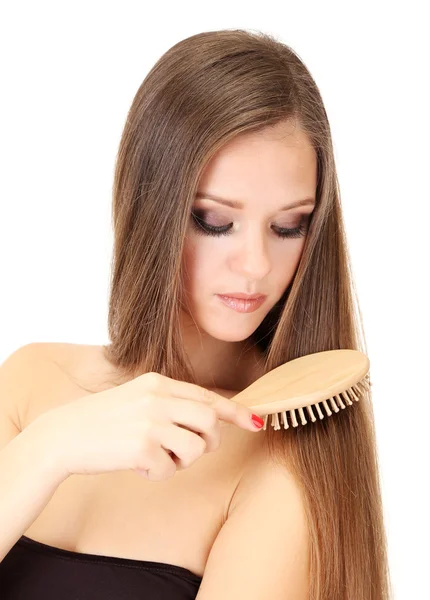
(349, 395)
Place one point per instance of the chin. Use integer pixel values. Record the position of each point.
(229, 334)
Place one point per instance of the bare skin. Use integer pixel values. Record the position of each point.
(108, 513)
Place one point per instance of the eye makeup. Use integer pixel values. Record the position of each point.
(203, 228)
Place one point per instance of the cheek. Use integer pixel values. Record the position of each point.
(199, 263)
(293, 252)
(286, 263)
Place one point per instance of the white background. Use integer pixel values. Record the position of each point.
(69, 72)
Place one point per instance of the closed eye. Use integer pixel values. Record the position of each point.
(203, 228)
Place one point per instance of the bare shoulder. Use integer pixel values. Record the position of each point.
(40, 375)
(261, 472)
(84, 365)
(19, 372)
(23, 371)
(266, 531)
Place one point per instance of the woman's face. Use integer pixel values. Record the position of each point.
(262, 172)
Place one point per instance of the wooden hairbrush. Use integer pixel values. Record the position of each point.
(310, 382)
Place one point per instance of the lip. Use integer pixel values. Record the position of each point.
(242, 305)
(243, 296)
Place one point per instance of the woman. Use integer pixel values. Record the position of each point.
(225, 184)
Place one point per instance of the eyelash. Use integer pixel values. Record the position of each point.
(204, 228)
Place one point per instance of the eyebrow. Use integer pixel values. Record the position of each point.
(237, 204)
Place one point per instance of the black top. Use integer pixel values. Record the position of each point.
(35, 571)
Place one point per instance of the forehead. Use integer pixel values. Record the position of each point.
(276, 158)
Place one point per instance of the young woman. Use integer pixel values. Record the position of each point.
(128, 470)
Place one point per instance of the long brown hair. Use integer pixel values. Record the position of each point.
(202, 92)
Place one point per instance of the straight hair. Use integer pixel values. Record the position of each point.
(203, 92)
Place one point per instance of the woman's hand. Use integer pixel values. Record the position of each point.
(152, 424)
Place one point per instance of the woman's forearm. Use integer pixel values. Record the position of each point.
(29, 476)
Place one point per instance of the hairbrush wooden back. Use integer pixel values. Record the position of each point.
(324, 381)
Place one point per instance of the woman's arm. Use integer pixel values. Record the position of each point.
(29, 474)
(28, 479)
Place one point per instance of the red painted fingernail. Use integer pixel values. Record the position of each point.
(258, 421)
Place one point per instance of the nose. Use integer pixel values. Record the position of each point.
(252, 259)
